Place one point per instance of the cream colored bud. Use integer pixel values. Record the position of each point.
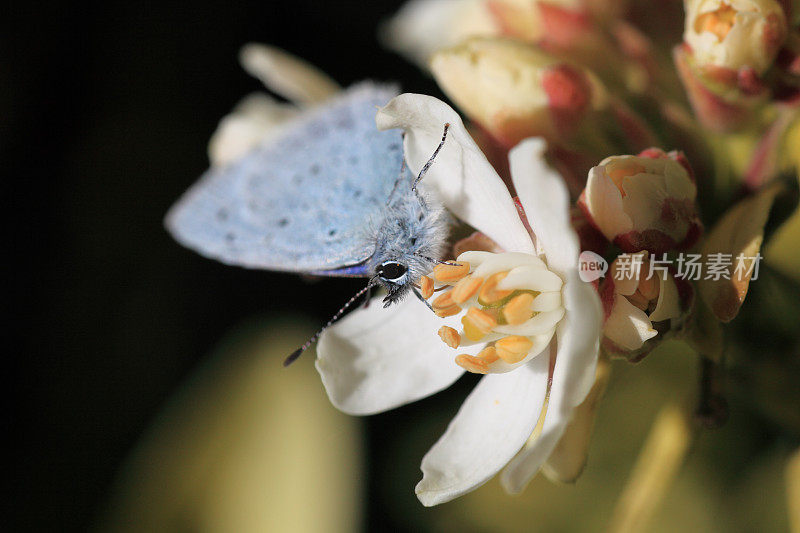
(502, 84)
(735, 33)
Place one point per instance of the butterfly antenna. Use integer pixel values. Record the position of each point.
(297, 353)
(430, 161)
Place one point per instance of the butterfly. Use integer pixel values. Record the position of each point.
(330, 195)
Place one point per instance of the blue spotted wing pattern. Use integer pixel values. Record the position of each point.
(298, 202)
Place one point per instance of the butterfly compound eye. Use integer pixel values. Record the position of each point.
(392, 271)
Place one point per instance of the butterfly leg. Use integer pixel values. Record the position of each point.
(421, 298)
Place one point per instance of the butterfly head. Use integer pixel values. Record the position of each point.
(395, 277)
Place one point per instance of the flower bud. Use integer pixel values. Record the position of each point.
(723, 99)
(644, 202)
(736, 33)
(641, 300)
(516, 91)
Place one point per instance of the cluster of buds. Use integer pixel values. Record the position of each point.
(728, 50)
(512, 90)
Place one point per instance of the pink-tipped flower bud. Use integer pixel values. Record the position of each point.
(644, 202)
(735, 34)
(515, 90)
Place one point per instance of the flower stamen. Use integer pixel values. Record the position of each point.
(450, 272)
(426, 287)
(466, 289)
(477, 323)
(450, 336)
(473, 364)
(490, 295)
(510, 296)
(518, 309)
(513, 349)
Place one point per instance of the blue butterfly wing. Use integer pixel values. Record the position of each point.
(299, 202)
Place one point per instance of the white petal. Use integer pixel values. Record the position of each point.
(573, 377)
(491, 426)
(507, 261)
(287, 75)
(546, 201)
(529, 277)
(475, 258)
(568, 458)
(626, 277)
(678, 183)
(668, 305)
(460, 176)
(627, 325)
(604, 202)
(547, 301)
(537, 325)
(376, 359)
(540, 348)
(644, 197)
(253, 120)
(422, 27)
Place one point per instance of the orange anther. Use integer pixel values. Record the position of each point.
(450, 336)
(466, 289)
(513, 349)
(489, 293)
(473, 364)
(518, 309)
(489, 354)
(450, 272)
(447, 311)
(719, 22)
(426, 287)
(443, 300)
(477, 323)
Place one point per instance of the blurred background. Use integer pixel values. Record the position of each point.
(147, 391)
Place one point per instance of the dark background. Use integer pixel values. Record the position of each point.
(105, 113)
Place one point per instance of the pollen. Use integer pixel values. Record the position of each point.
(513, 349)
(466, 289)
(444, 306)
(518, 309)
(473, 364)
(450, 273)
(490, 295)
(477, 323)
(489, 354)
(719, 22)
(450, 336)
(443, 300)
(447, 311)
(495, 296)
(426, 287)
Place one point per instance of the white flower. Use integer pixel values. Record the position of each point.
(376, 359)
